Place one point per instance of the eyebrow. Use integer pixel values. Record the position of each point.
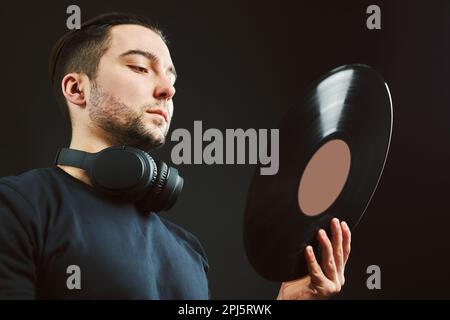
(150, 56)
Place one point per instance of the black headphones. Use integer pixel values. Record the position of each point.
(129, 173)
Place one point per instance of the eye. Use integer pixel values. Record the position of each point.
(138, 68)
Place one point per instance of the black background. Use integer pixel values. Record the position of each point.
(242, 64)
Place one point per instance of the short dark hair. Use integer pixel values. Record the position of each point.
(80, 50)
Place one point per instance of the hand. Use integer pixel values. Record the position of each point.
(326, 280)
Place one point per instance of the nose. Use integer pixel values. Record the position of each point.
(164, 89)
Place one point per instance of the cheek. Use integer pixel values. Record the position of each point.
(127, 86)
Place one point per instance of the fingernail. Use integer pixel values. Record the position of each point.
(336, 221)
(344, 224)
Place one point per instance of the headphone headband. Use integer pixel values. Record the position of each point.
(74, 158)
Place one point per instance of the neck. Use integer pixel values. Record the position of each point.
(88, 141)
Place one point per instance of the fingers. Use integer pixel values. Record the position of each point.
(336, 236)
(346, 240)
(328, 278)
(314, 269)
(328, 263)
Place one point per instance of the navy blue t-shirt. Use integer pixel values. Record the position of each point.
(61, 239)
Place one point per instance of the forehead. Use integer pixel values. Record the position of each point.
(135, 37)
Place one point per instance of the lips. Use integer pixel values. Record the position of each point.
(159, 111)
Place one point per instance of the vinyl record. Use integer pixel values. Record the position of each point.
(333, 147)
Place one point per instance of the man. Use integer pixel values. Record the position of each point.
(62, 239)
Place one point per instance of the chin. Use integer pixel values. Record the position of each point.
(157, 141)
(156, 135)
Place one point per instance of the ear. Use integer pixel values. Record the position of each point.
(73, 86)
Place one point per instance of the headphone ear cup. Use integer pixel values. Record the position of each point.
(150, 200)
(153, 170)
(172, 188)
(163, 194)
(122, 171)
(161, 179)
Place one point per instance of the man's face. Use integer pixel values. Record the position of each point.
(131, 97)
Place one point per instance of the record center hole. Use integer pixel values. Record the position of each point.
(324, 177)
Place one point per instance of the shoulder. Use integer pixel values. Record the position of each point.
(21, 192)
(25, 194)
(28, 179)
(21, 214)
(30, 185)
